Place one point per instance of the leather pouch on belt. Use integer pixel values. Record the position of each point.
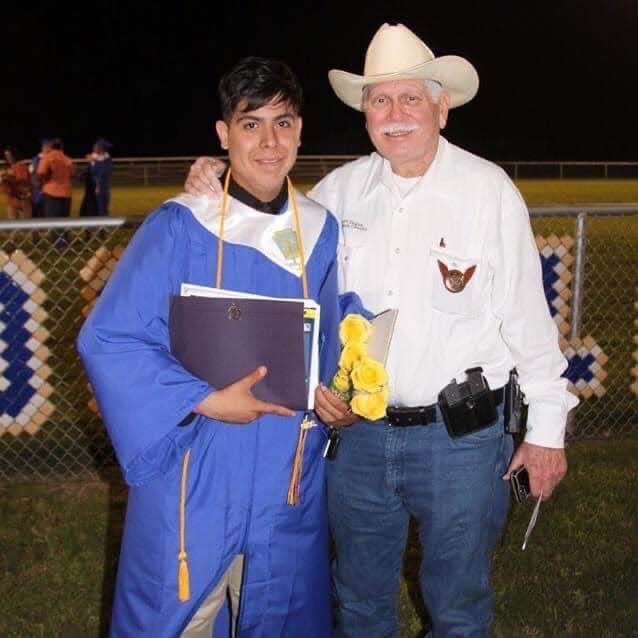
(468, 406)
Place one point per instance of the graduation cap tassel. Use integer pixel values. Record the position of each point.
(295, 476)
(297, 466)
(183, 577)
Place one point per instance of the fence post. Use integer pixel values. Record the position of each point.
(577, 299)
(579, 276)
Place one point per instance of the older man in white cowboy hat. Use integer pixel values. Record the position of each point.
(443, 236)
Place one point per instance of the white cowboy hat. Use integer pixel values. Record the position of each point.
(396, 53)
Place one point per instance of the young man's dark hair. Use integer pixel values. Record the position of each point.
(57, 144)
(257, 82)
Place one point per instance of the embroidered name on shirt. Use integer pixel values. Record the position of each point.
(455, 280)
(350, 223)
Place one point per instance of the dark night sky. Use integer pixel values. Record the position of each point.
(558, 78)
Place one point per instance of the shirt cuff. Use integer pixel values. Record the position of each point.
(546, 422)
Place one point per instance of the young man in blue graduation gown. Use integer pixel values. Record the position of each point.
(215, 489)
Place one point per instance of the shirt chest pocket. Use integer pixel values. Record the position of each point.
(459, 284)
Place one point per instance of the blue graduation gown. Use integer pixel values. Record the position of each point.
(238, 476)
(101, 168)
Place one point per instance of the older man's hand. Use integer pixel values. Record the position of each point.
(203, 178)
(546, 467)
(331, 409)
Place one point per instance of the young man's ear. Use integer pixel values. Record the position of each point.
(299, 127)
(222, 133)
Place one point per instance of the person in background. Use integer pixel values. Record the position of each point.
(88, 206)
(101, 170)
(37, 204)
(16, 183)
(55, 171)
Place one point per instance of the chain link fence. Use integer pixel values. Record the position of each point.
(51, 272)
(147, 171)
(590, 271)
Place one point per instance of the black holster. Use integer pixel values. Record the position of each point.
(515, 409)
(468, 406)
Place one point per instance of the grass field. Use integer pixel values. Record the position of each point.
(127, 201)
(139, 200)
(578, 576)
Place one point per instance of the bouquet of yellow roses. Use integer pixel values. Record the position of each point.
(360, 380)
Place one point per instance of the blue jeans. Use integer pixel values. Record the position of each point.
(453, 488)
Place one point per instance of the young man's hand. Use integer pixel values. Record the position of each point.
(334, 412)
(203, 178)
(236, 403)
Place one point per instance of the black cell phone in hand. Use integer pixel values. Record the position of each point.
(519, 480)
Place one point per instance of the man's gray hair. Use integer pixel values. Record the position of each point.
(435, 89)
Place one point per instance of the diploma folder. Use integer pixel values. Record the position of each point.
(221, 335)
(382, 330)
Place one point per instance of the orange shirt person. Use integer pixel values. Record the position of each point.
(16, 183)
(56, 172)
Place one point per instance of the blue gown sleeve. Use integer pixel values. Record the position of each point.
(329, 332)
(142, 390)
(329, 303)
(350, 303)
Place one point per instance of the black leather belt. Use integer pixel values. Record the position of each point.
(423, 415)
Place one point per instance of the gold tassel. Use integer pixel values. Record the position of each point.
(297, 466)
(183, 584)
(183, 577)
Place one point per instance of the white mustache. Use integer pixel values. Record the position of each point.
(398, 127)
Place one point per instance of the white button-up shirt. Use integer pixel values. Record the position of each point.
(464, 212)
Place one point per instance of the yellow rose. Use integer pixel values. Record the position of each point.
(368, 375)
(341, 381)
(351, 353)
(354, 328)
(370, 406)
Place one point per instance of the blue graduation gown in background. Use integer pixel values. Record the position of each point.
(101, 169)
(238, 477)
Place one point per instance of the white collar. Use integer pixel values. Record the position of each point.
(269, 234)
(381, 173)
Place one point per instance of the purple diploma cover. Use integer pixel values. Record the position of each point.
(221, 340)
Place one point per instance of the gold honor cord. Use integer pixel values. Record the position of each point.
(220, 236)
(292, 198)
(183, 577)
(307, 423)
